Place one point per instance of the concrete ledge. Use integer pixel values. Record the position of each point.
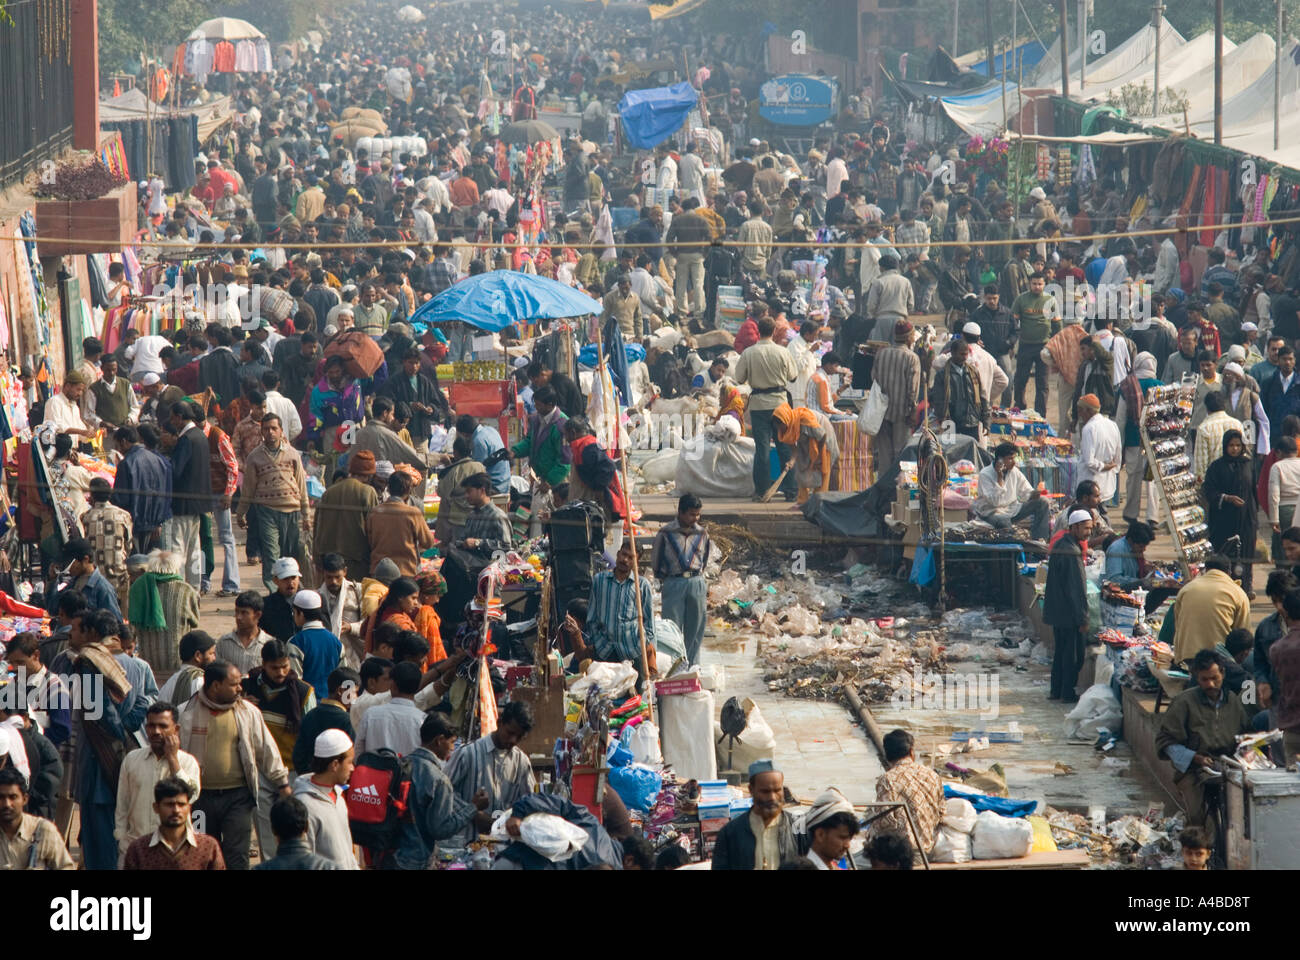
(1140, 726)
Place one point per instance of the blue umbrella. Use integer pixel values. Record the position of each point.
(498, 298)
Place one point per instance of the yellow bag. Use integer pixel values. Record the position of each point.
(1043, 841)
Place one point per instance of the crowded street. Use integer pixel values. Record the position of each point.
(520, 436)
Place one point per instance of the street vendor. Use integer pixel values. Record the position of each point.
(1065, 606)
(678, 560)
(1087, 496)
(1004, 497)
(544, 443)
(1201, 724)
(612, 617)
(764, 839)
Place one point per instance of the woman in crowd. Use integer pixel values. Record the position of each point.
(1229, 493)
(813, 439)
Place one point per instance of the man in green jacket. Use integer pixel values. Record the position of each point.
(1037, 317)
(544, 444)
(1201, 724)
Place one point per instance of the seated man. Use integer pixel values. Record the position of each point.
(1127, 567)
(1005, 497)
(1201, 724)
(916, 785)
(1087, 496)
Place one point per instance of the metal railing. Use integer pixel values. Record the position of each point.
(36, 96)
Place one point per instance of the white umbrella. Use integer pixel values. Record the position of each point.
(227, 28)
(410, 14)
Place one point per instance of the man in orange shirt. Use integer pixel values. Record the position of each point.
(463, 191)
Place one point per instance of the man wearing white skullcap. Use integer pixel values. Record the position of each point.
(321, 650)
(1065, 605)
(992, 378)
(321, 792)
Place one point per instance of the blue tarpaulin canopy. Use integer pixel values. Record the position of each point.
(498, 298)
(652, 116)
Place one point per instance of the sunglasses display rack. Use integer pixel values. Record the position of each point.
(1165, 416)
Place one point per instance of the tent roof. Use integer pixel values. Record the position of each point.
(1137, 50)
(1110, 138)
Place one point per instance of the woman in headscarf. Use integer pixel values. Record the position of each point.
(731, 403)
(1128, 415)
(69, 484)
(334, 400)
(814, 443)
(399, 606)
(427, 622)
(1229, 490)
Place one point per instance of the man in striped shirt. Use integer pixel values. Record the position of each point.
(493, 767)
(898, 371)
(612, 618)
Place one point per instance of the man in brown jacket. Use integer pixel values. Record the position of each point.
(397, 530)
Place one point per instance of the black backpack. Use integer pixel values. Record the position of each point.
(377, 798)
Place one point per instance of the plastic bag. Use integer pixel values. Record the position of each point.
(643, 741)
(669, 640)
(1097, 708)
(756, 742)
(959, 815)
(660, 467)
(553, 837)
(611, 679)
(637, 785)
(873, 411)
(617, 754)
(1000, 838)
(950, 846)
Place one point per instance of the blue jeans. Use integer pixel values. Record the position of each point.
(230, 564)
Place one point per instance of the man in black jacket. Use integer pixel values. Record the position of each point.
(191, 488)
(1065, 606)
(997, 332)
(428, 406)
(739, 846)
(219, 369)
(44, 762)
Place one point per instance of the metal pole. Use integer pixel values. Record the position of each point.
(1157, 18)
(1083, 43)
(1218, 72)
(956, 16)
(988, 33)
(1277, 73)
(1065, 48)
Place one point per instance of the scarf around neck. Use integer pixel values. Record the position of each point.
(144, 604)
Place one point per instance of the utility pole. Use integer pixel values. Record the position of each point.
(956, 18)
(1218, 72)
(1277, 73)
(1083, 43)
(988, 33)
(1065, 48)
(1157, 20)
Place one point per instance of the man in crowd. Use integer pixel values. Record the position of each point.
(394, 725)
(234, 747)
(1065, 606)
(494, 764)
(321, 650)
(341, 516)
(174, 844)
(274, 491)
(398, 531)
(912, 783)
(331, 713)
(763, 839)
(1006, 498)
(437, 812)
(678, 559)
(1101, 449)
(142, 487)
(27, 842)
(341, 602)
(197, 650)
(144, 767)
(1201, 725)
(1037, 317)
(191, 489)
(487, 447)
(612, 620)
(321, 792)
(1207, 609)
(767, 369)
(289, 821)
(243, 645)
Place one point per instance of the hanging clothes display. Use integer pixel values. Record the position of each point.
(200, 57)
(33, 314)
(223, 57)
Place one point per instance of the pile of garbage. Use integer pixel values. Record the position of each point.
(1127, 842)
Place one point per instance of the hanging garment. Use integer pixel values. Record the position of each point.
(223, 57)
(246, 56)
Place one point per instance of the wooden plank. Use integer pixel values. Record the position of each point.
(1043, 860)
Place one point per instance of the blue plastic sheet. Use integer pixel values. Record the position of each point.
(1000, 805)
(636, 785)
(651, 116)
(633, 351)
(498, 298)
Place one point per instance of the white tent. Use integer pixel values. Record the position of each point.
(1183, 62)
(980, 112)
(1253, 102)
(1133, 53)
